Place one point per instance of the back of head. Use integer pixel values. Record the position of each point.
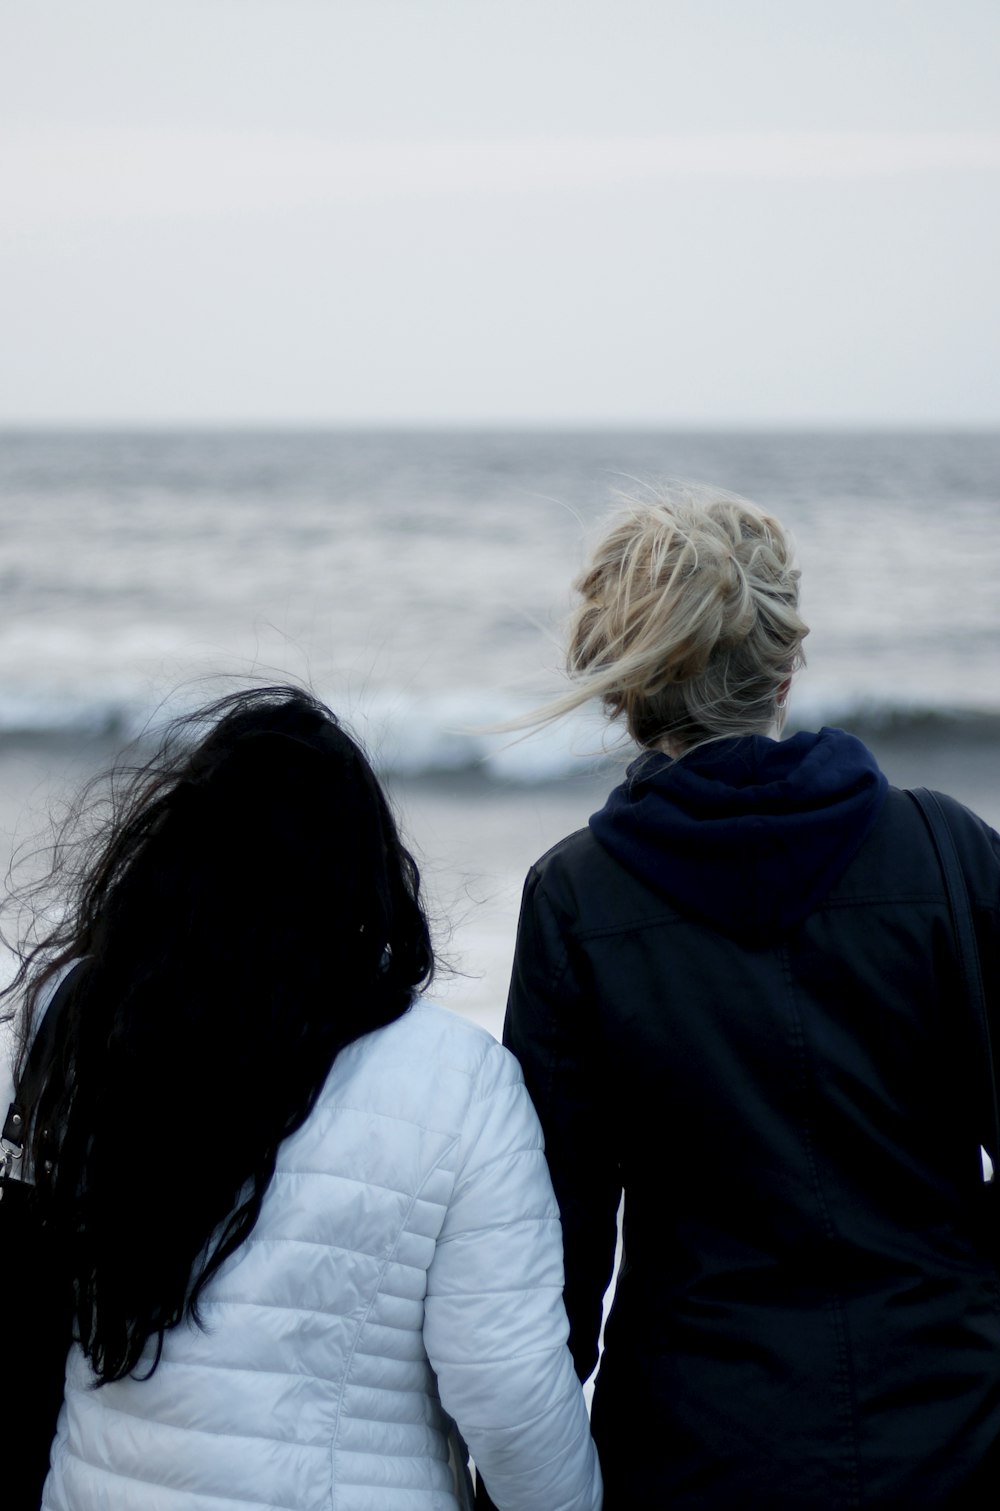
(246, 910)
(688, 624)
(271, 848)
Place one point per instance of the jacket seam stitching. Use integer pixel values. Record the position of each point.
(676, 918)
(354, 1180)
(846, 1406)
(345, 1378)
(119, 1474)
(222, 1302)
(555, 981)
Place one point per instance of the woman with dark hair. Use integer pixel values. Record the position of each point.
(737, 998)
(306, 1213)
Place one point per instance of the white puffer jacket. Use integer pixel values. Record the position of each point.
(407, 1262)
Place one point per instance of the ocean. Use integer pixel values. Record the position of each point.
(417, 581)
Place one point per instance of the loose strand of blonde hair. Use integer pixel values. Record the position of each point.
(687, 624)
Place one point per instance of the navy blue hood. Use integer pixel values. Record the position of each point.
(747, 834)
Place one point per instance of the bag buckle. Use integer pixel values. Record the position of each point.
(11, 1139)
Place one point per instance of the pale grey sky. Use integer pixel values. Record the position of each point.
(498, 211)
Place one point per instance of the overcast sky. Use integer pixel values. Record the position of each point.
(667, 212)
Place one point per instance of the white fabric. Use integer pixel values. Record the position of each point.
(410, 1232)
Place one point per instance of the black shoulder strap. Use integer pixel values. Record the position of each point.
(935, 818)
(39, 1055)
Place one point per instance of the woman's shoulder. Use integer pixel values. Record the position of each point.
(426, 1067)
(978, 845)
(968, 828)
(898, 864)
(583, 887)
(579, 853)
(453, 1040)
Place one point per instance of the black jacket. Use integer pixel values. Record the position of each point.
(736, 997)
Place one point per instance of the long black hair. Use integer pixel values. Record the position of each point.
(246, 909)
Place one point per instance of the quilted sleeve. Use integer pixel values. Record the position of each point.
(495, 1327)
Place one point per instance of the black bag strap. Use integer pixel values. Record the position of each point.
(28, 1086)
(936, 819)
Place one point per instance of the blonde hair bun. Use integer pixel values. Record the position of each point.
(688, 622)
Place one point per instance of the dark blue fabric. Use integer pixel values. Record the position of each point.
(747, 834)
(808, 1316)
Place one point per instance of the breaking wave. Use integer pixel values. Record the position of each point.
(448, 733)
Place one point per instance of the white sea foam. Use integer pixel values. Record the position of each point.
(449, 733)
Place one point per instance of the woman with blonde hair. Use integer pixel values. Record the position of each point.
(737, 998)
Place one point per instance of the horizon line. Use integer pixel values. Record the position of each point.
(483, 424)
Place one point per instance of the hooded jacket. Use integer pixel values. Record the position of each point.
(735, 996)
(406, 1264)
